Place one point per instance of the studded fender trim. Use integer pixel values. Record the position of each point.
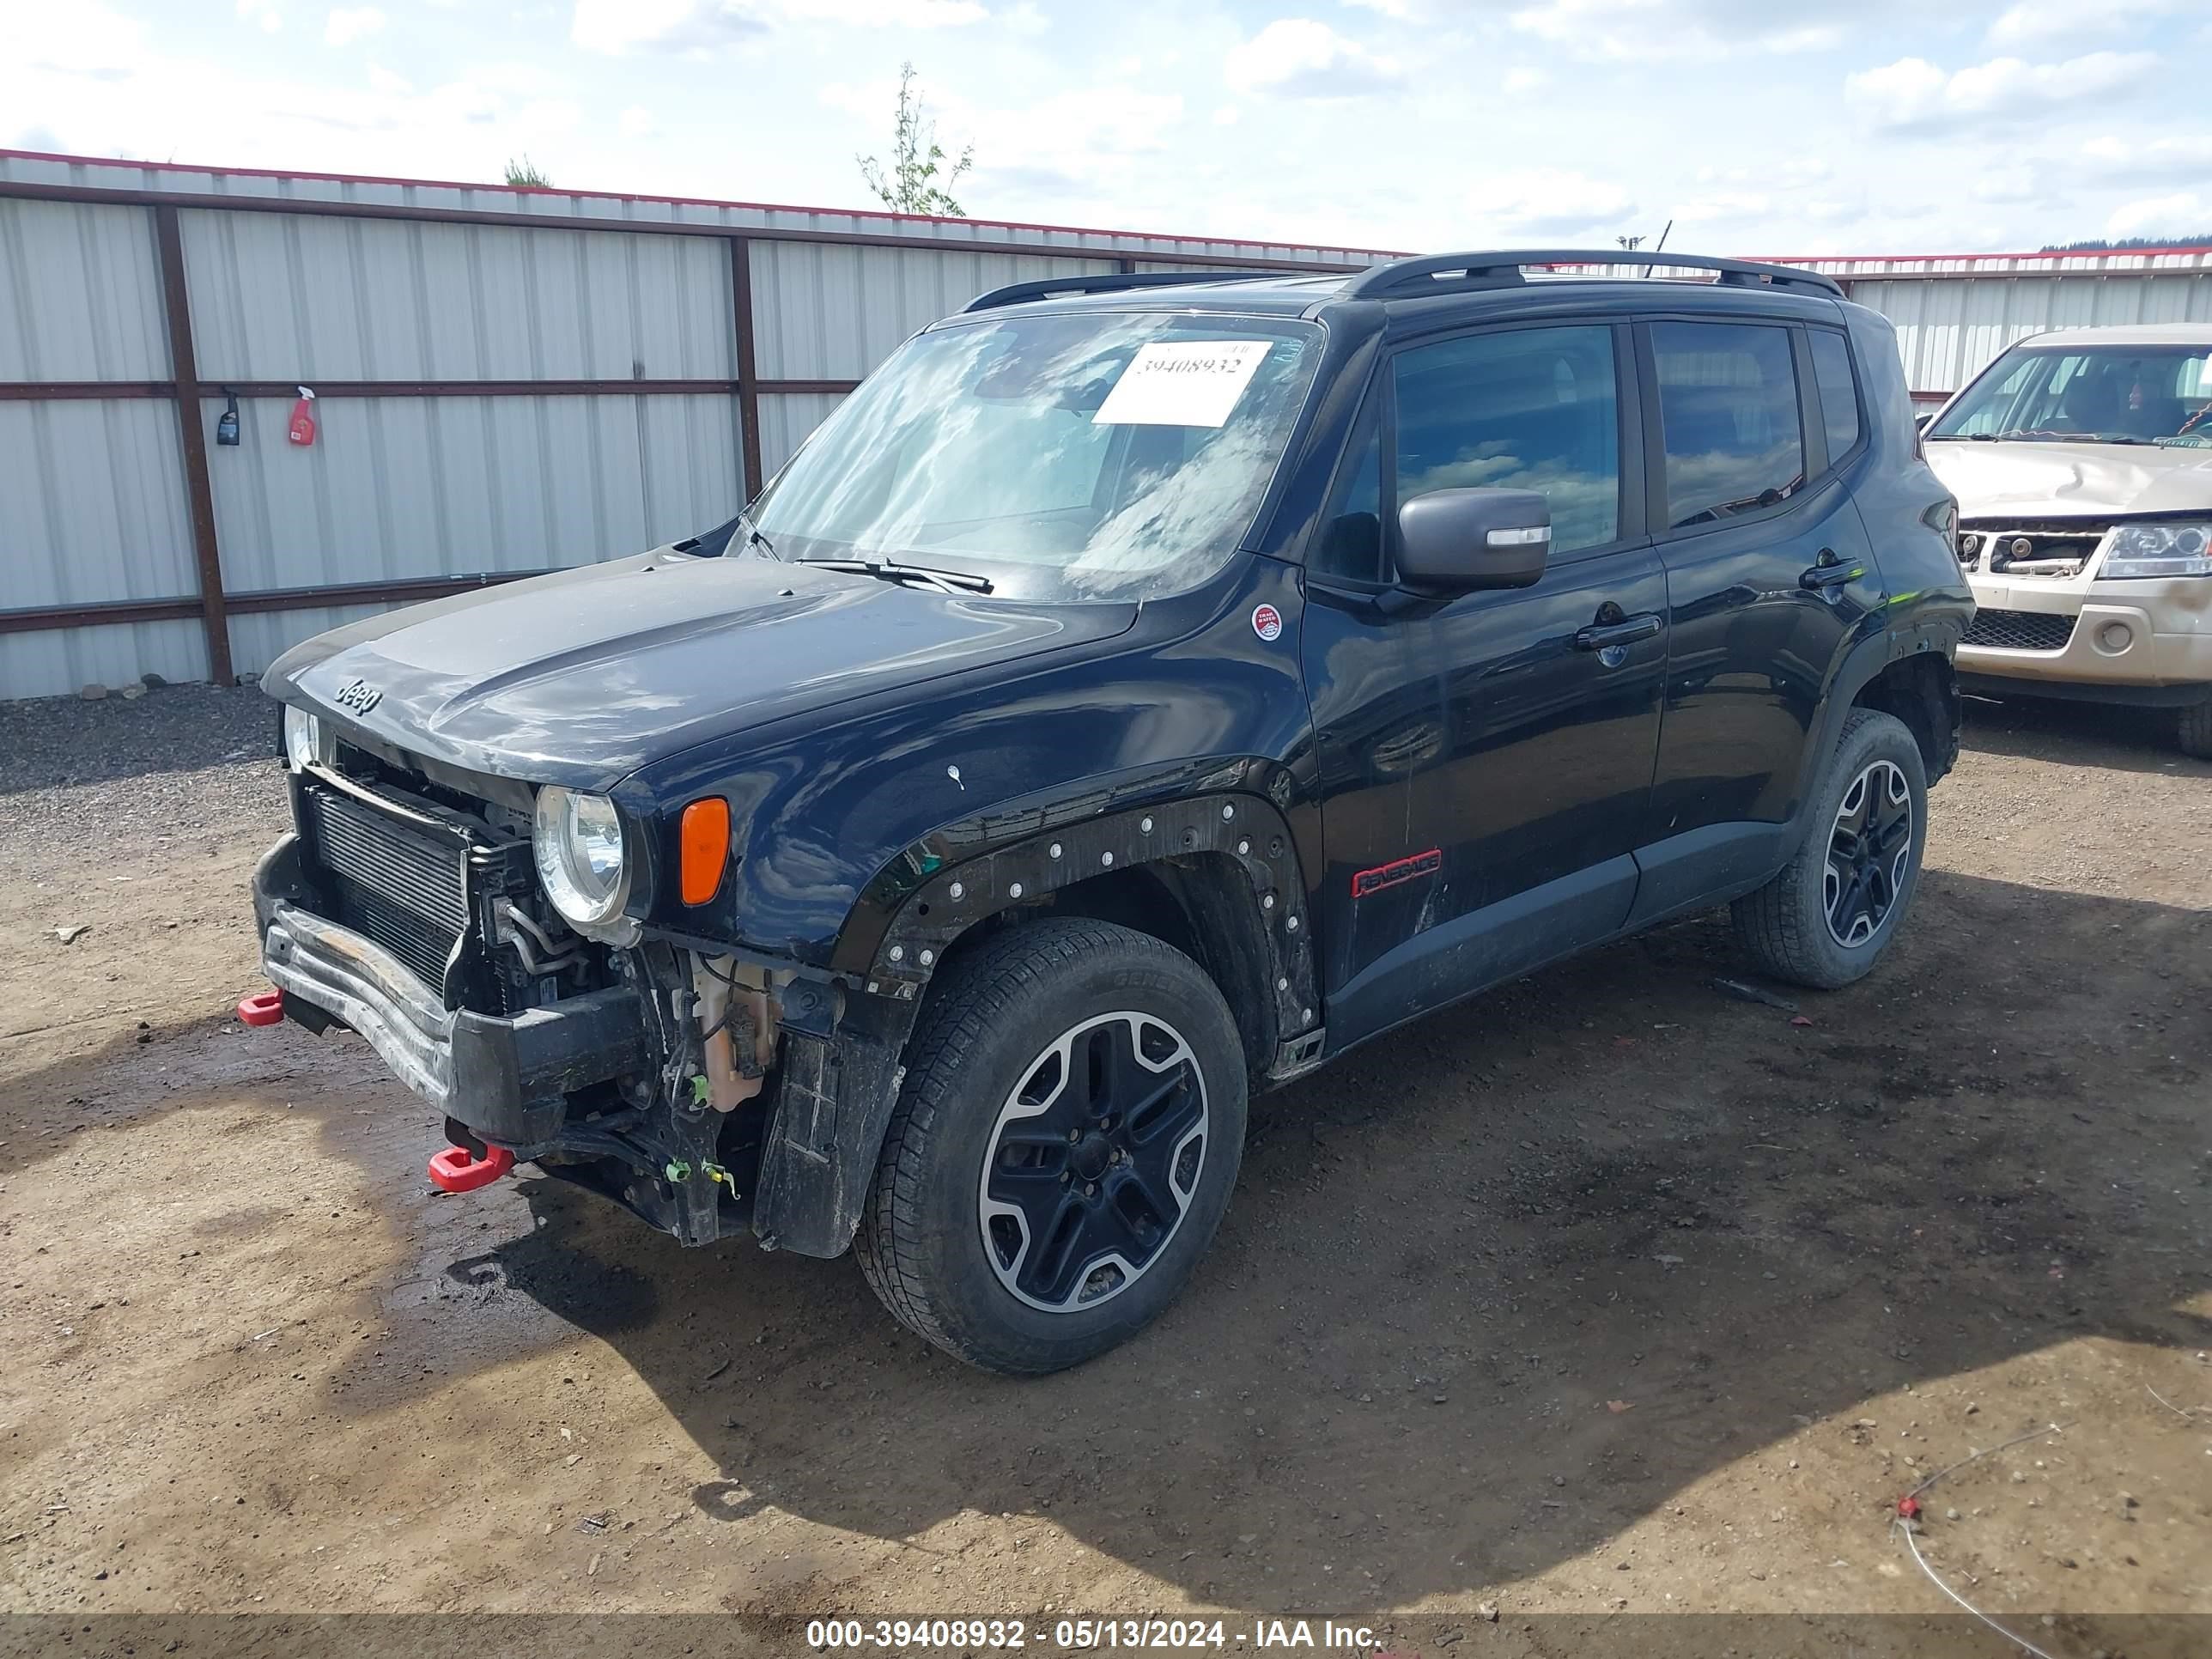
(1244, 827)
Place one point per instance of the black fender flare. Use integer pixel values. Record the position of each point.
(1861, 665)
(837, 1085)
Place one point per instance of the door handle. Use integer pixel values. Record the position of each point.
(1601, 636)
(1829, 572)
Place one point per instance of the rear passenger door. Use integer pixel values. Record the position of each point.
(1755, 430)
(1485, 757)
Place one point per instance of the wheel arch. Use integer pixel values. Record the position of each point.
(1921, 690)
(1215, 875)
(1906, 670)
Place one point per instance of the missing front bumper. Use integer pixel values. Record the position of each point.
(507, 1079)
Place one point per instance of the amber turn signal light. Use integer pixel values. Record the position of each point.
(706, 848)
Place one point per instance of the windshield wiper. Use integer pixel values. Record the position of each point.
(946, 581)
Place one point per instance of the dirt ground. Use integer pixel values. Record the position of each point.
(1602, 1295)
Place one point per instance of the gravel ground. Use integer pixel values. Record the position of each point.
(182, 761)
(1602, 1293)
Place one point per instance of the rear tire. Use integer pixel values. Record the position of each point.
(1827, 918)
(2195, 731)
(1062, 1149)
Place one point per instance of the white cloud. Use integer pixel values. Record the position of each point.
(1299, 57)
(1227, 116)
(1547, 203)
(265, 13)
(346, 25)
(2013, 185)
(2153, 161)
(1638, 30)
(639, 122)
(1913, 92)
(1025, 18)
(1525, 80)
(619, 26)
(381, 79)
(88, 41)
(703, 27)
(1399, 10)
(2038, 23)
(2184, 213)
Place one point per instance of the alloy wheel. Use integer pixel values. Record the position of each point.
(1094, 1162)
(1869, 850)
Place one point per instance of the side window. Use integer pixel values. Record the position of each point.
(1839, 392)
(1351, 540)
(1524, 408)
(1728, 407)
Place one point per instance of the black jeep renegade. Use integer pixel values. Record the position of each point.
(1140, 690)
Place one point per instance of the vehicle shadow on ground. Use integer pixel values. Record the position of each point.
(2106, 736)
(1453, 1258)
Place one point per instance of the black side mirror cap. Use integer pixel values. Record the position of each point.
(1464, 539)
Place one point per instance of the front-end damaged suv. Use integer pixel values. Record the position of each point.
(1139, 691)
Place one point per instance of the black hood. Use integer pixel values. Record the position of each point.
(582, 677)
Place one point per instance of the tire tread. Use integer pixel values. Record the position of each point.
(1772, 924)
(965, 1002)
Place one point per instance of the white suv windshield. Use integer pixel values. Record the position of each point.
(1085, 455)
(2103, 394)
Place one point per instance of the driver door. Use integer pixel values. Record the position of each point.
(1485, 758)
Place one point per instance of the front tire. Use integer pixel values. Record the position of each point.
(1827, 918)
(2194, 731)
(1062, 1149)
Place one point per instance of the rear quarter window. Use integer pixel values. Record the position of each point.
(1839, 392)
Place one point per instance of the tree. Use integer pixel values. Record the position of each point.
(526, 174)
(910, 185)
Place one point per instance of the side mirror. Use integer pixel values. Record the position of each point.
(1920, 421)
(1464, 539)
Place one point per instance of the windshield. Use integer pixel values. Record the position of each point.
(1080, 456)
(2100, 394)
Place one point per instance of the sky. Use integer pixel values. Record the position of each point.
(1756, 126)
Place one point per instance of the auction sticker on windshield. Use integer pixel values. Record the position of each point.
(1188, 383)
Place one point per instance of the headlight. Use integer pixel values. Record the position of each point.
(577, 838)
(306, 739)
(2142, 551)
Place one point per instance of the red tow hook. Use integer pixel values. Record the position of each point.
(457, 1169)
(262, 1008)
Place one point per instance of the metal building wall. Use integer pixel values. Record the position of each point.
(91, 499)
(1947, 331)
(475, 349)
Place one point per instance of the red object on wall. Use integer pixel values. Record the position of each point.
(302, 430)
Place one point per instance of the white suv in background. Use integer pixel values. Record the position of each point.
(2082, 463)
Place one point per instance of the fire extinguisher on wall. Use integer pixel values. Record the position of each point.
(302, 430)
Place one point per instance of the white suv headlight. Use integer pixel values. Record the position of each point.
(577, 838)
(306, 739)
(2151, 550)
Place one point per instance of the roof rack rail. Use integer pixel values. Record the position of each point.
(1106, 281)
(1401, 279)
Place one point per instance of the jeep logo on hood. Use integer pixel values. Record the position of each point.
(359, 696)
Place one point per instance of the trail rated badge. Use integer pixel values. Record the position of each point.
(1267, 621)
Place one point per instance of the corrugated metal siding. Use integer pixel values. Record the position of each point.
(407, 487)
(92, 503)
(258, 639)
(284, 297)
(58, 660)
(1949, 328)
(785, 419)
(825, 312)
(80, 293)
